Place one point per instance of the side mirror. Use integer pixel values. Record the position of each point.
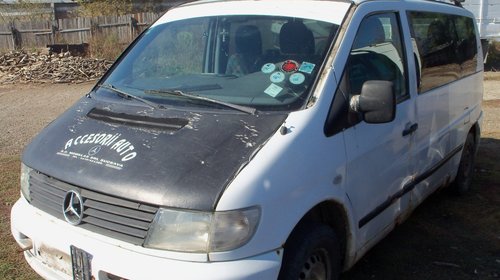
(377, 102)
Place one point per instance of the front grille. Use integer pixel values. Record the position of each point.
(107, 215)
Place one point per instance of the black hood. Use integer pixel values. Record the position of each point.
(163, 157)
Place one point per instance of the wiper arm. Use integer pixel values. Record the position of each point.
(245, 109)
(124, 94)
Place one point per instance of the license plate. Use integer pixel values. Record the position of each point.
(81, 262)
(52, 257)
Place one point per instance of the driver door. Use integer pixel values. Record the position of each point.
(379, 155)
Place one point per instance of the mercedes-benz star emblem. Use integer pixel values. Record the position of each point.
(94, 150)
(73, 208)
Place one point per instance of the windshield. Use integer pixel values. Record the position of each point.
(263, 62)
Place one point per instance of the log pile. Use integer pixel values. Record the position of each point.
(26, 67)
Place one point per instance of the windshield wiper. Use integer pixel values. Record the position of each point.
(245, 109)
(124, 94)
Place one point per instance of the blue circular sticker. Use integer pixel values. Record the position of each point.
(297, 78)
(277, 77)
(268, 68)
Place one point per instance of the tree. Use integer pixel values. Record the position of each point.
(121, 7)
(92, 8)
(157, 6)
(24, 10)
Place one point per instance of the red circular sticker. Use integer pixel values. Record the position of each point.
(290, 66)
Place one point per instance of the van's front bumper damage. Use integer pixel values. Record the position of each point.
(48, 244)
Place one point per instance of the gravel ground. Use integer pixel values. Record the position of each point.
(26, 108)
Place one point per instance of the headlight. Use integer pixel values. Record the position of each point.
(25, 183)
(202, 232)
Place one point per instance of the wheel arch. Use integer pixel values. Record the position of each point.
(334, 215)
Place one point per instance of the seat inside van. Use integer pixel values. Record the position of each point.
(248, 55)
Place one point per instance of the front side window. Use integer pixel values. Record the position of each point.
(377, 53)
(265, 62)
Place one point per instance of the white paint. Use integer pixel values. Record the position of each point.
(328, 11)
(128, 261)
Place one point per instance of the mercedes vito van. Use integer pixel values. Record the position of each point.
(255, 140)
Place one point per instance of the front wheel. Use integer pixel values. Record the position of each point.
(311, 253)
(466, 167)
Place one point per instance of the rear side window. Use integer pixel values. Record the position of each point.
(466, 45)
(446, 47)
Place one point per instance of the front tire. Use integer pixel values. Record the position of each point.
(311, 253)
(463, 180)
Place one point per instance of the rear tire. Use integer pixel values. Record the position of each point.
(311, 253)
(463, 180)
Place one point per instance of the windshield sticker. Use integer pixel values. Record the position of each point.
(88, 147)
(277, 77)
(290, 66)
(307, 67)
(273, 90)
(297, 78)
(268, 68)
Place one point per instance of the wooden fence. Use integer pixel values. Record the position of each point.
(38, 34)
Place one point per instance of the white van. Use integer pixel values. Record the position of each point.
(255, 140)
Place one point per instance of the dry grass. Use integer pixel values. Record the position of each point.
(106, 47)
(491, 76)
(12, 263)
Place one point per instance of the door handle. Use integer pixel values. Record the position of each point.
(412, 128)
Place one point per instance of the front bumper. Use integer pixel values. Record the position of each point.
(48, 241)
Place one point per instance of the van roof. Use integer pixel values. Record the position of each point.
(319, 9)
(327, 11)
(196, 2)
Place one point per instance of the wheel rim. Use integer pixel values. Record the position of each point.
(317, 266)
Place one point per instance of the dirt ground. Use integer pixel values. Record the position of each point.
(448, 237)
(25, 109)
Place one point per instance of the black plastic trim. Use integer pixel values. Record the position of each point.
(136, 120)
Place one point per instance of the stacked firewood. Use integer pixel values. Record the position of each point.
(27, 67)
